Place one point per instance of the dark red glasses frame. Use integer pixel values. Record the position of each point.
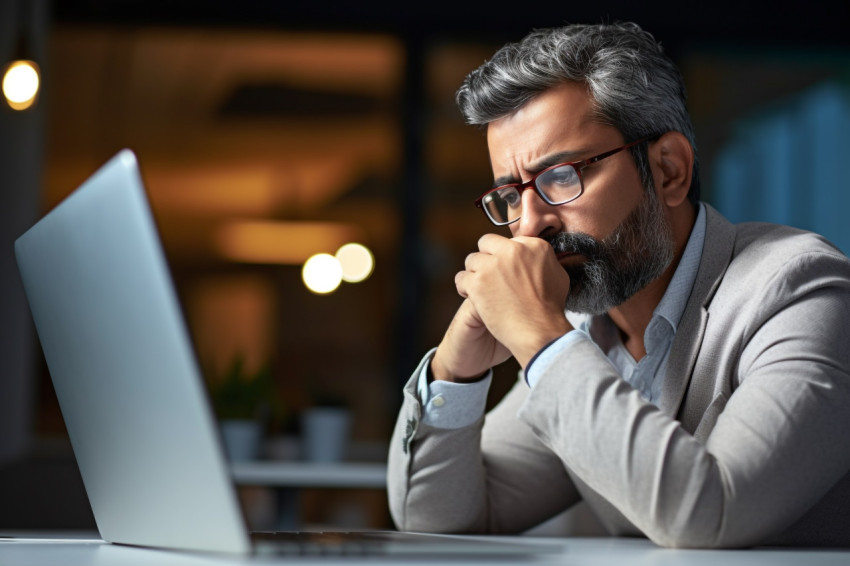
(531, 183)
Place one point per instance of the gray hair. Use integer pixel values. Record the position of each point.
(635, 86)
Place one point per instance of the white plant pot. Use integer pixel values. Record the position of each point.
(241, 438)
(325, 431)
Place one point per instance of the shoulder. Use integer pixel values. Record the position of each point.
(764, 250)
(776, 263)
(776, 240)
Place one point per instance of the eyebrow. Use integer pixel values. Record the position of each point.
(548, 161)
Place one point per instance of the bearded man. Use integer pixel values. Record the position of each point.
(688, 378)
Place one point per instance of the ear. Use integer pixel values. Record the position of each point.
(672, 160)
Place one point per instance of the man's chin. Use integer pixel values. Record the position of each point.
(578, 301)
(587, 298)
(582, 302)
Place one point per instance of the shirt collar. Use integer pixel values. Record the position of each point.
(672, 304)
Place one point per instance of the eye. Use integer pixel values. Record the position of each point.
(561, 176)
(510, 196)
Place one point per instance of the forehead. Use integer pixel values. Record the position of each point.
(559, 119)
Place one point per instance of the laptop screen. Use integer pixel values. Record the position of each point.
(124, 370)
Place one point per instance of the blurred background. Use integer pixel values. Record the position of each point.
(268, 132)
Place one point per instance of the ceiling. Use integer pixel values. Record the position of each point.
(824, 22)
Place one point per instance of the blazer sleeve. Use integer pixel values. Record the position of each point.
(778, 446)
(493, 476)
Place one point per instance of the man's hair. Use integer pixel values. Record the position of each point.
(635, 86)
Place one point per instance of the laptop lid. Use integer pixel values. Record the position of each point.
(132, 396)
(124, 370)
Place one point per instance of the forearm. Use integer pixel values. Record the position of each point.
(627, 450)
(435, 477)
(495, 478)
(776, 449)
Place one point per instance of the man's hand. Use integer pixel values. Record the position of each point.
(517, 289)
(468, 349)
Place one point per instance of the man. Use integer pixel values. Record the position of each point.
(696, 390)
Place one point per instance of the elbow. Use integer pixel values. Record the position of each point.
(426, 513)
(688, 539)
(703, 532)
(701, 524)
(700, 541)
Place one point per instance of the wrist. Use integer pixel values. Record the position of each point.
(529, 351)
(438, 371)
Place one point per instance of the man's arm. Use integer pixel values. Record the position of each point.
(449, 495)
(453, 480)
(776, 449)
(488, 477)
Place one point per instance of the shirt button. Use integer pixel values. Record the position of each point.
(438, 401)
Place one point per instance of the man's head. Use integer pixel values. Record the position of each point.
(635, 87)
(571, 95)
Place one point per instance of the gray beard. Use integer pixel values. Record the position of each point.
(617, 267)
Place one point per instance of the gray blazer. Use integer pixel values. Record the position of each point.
(750, 444)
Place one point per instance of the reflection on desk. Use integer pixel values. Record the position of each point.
(614, 551)
(304, 474)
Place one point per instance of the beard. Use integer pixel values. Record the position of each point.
(620, 265)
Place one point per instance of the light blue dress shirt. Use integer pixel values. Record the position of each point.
(455, 405)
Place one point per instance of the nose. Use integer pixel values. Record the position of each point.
(539, 218)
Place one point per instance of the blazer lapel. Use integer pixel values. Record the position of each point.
(716, 254)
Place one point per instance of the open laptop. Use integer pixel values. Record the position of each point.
(131, 393)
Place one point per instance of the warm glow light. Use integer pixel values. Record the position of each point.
(322, 273)
(286, 243)
(357, 262)
(20, 84)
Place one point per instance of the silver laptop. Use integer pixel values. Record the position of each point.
(131, 393)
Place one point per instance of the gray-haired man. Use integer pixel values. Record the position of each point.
(696, 389)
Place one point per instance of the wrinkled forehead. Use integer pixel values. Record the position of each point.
(560, 120)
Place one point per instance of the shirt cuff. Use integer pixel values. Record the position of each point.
(549, 352)
(446, 404)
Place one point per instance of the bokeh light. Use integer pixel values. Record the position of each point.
(20, 84)
(357, 262)
(322, 273)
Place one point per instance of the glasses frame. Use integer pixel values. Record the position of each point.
(578, 166)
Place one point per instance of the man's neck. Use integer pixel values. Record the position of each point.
(633, 316)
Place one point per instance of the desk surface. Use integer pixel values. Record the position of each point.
(43, 550)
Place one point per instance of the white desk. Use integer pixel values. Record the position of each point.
(596, 551)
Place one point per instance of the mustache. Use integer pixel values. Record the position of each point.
(577, 242)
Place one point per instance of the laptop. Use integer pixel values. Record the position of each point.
(131, 393)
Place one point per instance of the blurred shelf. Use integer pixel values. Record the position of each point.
(354, 475)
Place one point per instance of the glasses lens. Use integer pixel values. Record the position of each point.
(559, 185)
(503, 204)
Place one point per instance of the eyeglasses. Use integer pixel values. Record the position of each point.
(556, 185)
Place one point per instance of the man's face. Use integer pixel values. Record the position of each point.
(620, 265)
(612, 240)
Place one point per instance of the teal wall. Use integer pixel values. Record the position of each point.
(790, 163)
